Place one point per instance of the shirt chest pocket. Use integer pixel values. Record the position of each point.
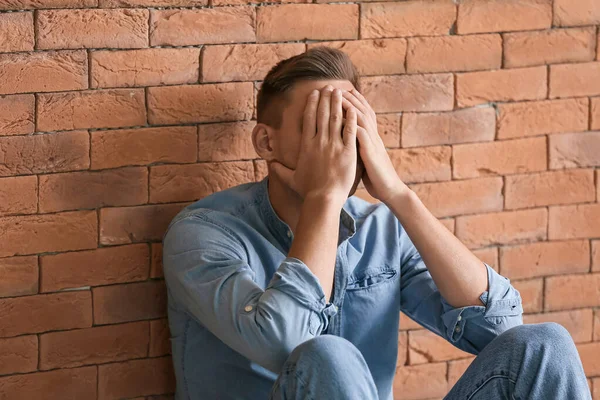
(371, 277)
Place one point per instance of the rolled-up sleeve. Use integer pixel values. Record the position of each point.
(469, 328)
(209, 277)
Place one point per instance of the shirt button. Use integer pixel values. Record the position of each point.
(289, 233)
(335, 308)
(248, 308)
(457, 329)
(459, 317)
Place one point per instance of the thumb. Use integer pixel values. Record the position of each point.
(283, 173)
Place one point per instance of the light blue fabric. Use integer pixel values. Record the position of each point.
(526, 362)
(238, 306)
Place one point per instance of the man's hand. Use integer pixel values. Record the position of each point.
(327, 158)
(380, 178)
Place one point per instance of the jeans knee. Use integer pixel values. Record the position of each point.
(546, 334)
(326, 349)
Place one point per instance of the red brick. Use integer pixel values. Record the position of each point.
(244, 62)
(533, 118)
(33, 154)
(16, 114)
(279, 23)
(396, 93)
(18, 276)
(422, 164)
(16, 31)
(152, 3)
(179, 104)
(74, 230)
(576, 12)
(456, 369)
(571, 80)
(525, 49)
(488, 255)
(474, 88)
(589, 358)
(171, 183)
(129, 302)
(402, 349)
(509, 227)
(115, 187)
(144, 67)
(102, 266)
(595, 110)
(226, 141)
(373, 56)
(545, 258)
(136, 378)
(572, 150)
(596, 333)
(425, 346)
(406, 18)
(572, 291)
(595, 255)
(156, 265)
(476, 16)
(121, 225)
(117, 148)
(73, 29)
(18, 354)
(596, 389)
(409, 381)
(470, 196)
(454, 53)
(62, 384)
(18, 195)
(499, 158)
(94, 345)
(577, 322)
(109, 108)
(468, 125)
(388, 127)
(578, 221)
(160, 344)
(31, 4)
(550, 188)
(202, 26)
(532, 294)
(43, 71)
(41, 313)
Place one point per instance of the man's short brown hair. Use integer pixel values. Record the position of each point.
(318, 63)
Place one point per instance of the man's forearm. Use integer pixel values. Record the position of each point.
(316, 238)
(459, 275)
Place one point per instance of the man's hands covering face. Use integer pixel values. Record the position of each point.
(380, 178)
(326, 163)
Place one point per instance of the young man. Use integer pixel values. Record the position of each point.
(291, 288)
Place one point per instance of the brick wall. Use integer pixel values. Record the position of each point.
(115, 114)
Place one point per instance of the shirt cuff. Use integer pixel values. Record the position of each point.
(499, 301)
(294, 278)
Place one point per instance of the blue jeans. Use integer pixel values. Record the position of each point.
(531, 361)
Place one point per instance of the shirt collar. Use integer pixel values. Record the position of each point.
(282, 230)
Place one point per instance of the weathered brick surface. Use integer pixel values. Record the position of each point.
(116, 114)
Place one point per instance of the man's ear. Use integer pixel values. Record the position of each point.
(263, 137)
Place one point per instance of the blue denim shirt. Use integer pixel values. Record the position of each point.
(238, 306)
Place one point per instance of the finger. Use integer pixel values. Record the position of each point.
(309, 124)
(355, 101)
(361, 118)
(363, 100)
(350, 129)
(364, 139)
(323, 113)
(335, 117)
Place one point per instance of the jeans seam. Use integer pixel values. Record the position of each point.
(487, 381)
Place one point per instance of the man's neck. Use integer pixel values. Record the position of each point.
(286, 203)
